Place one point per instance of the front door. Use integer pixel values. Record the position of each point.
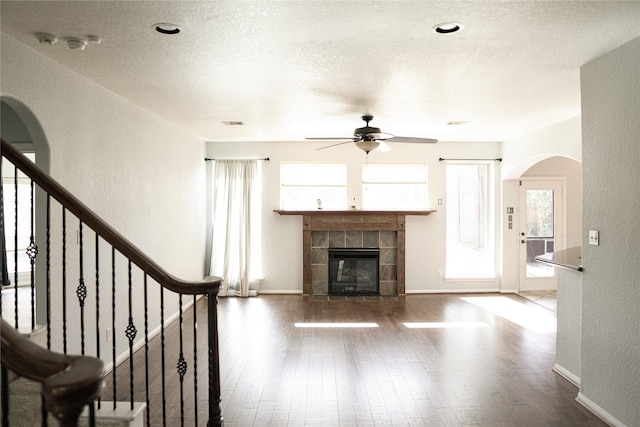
(540, 232)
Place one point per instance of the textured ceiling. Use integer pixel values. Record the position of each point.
(291, 69)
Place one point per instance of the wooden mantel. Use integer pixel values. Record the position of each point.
(356, 220)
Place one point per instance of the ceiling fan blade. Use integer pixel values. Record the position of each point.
(384, 147)
(333, 138)
(380, 136)
(410, 139)
(334, 145)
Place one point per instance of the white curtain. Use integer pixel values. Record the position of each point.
(236, 253)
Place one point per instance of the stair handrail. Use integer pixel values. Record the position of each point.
(68, 383)
(208, 285)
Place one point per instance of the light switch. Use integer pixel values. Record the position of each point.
(594, 237)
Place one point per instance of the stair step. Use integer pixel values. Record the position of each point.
(25, 409)
(122, 416)
(25, 402)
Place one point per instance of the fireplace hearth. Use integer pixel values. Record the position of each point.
(354, 271)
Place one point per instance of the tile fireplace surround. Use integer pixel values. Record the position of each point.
(353, 229)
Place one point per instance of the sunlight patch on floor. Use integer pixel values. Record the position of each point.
(336, 325)
(444, 325)
(526, 316)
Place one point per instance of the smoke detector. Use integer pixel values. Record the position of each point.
(79, 43)
(73, 43)
(76, 44)
(46, 38)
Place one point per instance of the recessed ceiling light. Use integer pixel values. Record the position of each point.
(448, 27)
(233, 123)
(458, 122)
(165, 28)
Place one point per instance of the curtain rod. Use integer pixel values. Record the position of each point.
(499, 159)
(266, 159)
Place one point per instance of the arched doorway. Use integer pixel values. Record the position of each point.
(21, 128)
(550, 187)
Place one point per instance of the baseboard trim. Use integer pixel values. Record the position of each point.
(598, 411)
(453, 291)
(272, 292)
(567, 375)
(417, 292)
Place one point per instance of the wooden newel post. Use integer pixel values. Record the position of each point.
(215, 413)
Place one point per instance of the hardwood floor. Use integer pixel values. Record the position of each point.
(467, 360)
(547, 299)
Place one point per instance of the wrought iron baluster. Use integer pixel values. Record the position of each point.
(92, 414)
(32, 252)
(98, 304)
(5, 271)
(146, 348)
(195, 360)
(182, 364)
(81, 291)
(162, 354)
(43, 410)
(130, 332)
(44, 413)
(113, 325)
(64, 279)
(48, 272)
(15, 244)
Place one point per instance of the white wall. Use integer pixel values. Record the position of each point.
(610, 88)
(425, 241)
(142, 174)
(561, 139)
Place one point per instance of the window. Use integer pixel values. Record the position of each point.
(394, 186)
(470, 242)
(540, 211)
(302, 184)
(237, 226)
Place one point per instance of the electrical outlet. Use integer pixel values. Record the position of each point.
(108, 334)
(594, 237)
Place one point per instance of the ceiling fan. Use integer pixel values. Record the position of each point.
(369, 138)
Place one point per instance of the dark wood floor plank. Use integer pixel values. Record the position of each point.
(275, 374)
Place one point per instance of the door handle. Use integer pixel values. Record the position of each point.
(523, 241)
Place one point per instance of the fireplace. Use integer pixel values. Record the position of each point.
(354, 271)
(322, 229)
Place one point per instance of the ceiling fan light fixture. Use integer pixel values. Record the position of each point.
(367, 146)
(447, 27)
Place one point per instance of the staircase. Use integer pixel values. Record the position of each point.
(94, 299)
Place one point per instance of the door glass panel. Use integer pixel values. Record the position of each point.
(539, 230)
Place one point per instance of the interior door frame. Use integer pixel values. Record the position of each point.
(560, 226)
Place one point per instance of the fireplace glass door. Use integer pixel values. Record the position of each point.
(354, 271)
